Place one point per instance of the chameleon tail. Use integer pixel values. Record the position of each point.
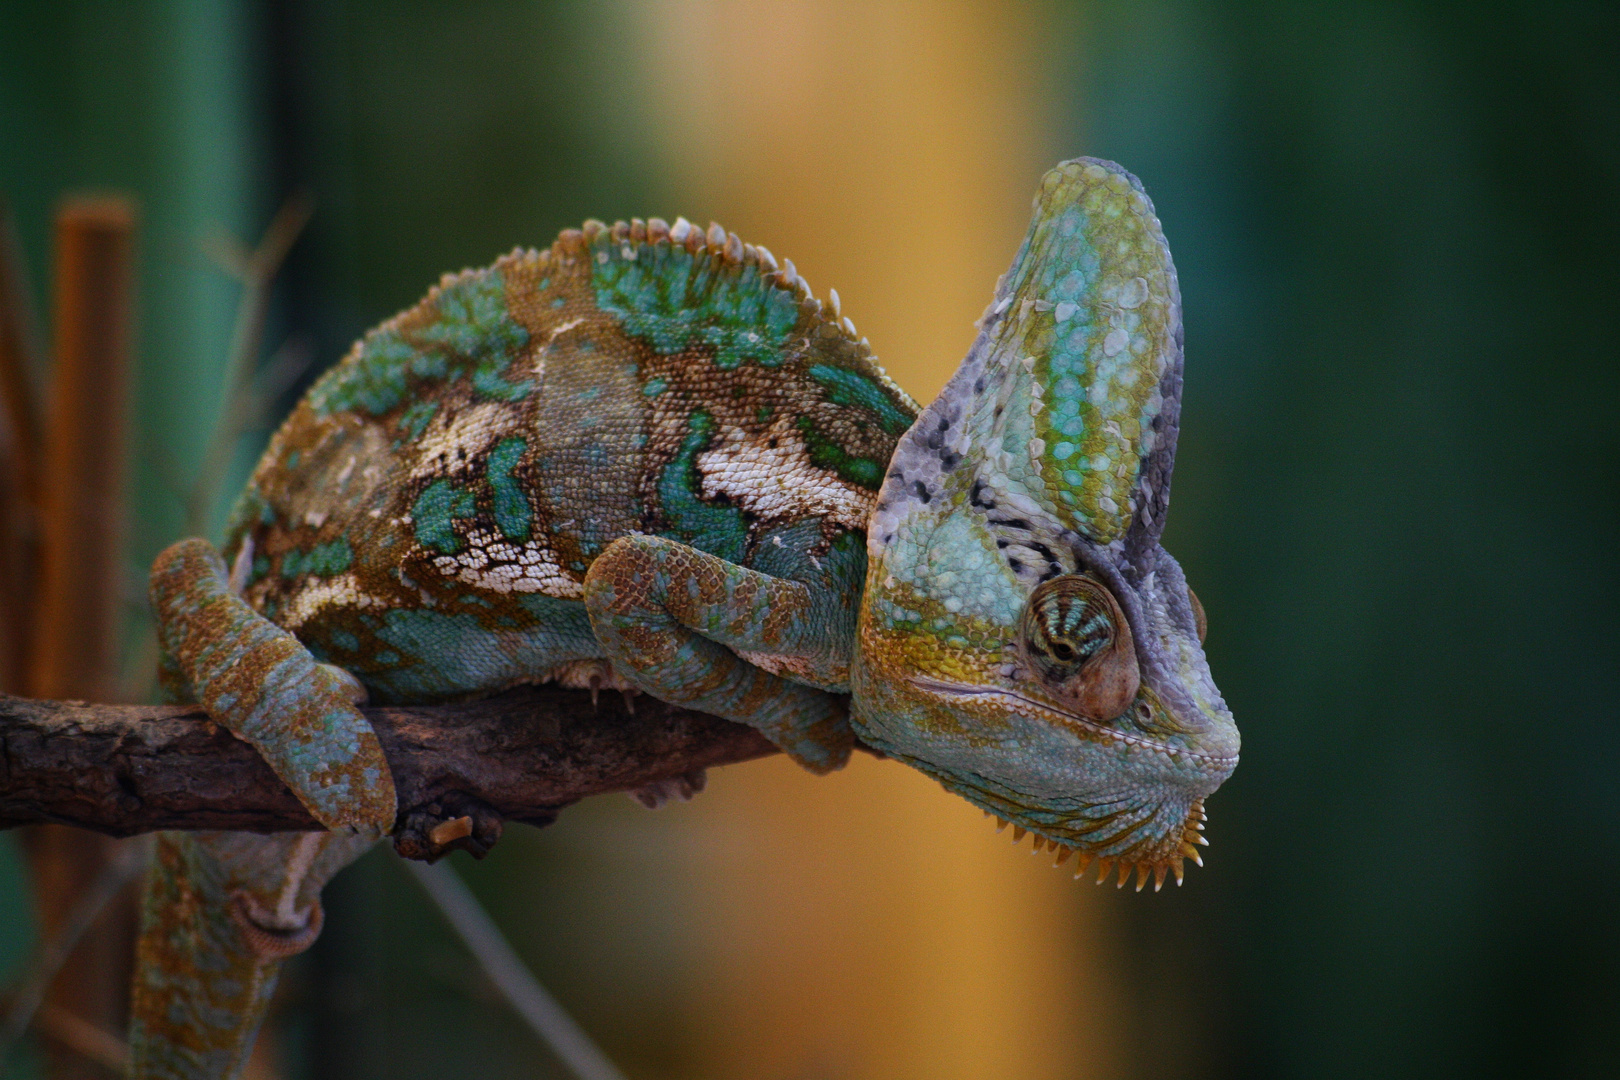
(221, 912)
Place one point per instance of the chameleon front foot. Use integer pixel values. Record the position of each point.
(258, 681)
(669, 618)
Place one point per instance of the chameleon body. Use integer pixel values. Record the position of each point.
(648, 458)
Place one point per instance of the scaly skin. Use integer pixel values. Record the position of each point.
(648, 458)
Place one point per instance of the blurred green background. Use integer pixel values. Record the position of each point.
(1397, 227)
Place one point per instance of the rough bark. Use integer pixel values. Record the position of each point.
(521, 756)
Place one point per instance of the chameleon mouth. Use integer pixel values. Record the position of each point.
(1104, 840)
(1018, 701)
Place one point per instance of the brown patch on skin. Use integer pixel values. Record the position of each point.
(780, 618)
(747, 402)
(790, 667)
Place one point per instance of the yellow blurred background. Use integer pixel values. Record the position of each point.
(869, 925)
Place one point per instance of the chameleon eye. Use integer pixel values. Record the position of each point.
(1078, 643)
(1200, 620)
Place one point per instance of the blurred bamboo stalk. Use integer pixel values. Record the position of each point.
(76, 618)
(81, 502)
(25, 1006)
(19, 457)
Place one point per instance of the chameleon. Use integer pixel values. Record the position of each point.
(649, 458)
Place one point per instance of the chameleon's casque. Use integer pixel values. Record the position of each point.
(648, 458)
(1024, 638)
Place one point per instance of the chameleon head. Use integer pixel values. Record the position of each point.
(1023, 636)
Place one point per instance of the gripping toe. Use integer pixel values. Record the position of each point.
(259, 681)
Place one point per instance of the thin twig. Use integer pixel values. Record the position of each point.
(257, 270)
(90, 1041)
(545, 1017)
(242, 405)
(51, 955)
(284, 368)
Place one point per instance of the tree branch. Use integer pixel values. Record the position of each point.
(460, 770)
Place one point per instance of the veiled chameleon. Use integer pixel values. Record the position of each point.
(648, 458)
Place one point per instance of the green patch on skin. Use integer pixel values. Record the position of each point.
(826, 454)
(439, 504)
(329, 559)
(473, 333)
(719, 530)
(374, 382)
(415, 420)
(473, 322)
(655, 387)
(250, 509)
(488, 382)
(322, 560)
(847, 387)
(672, 300)
(512, 513)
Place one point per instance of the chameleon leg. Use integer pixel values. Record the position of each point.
(257, 680)
(668, 616)
(221, 912)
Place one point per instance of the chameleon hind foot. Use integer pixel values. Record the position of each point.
(258, 681)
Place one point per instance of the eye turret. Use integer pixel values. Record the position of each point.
(1077, 643)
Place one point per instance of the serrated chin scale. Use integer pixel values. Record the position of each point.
(1125, 863)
